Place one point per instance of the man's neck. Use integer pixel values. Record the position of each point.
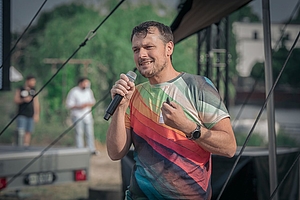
(167, 74)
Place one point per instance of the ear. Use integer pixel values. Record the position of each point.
(169, 48)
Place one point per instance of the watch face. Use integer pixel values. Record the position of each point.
(196, 134)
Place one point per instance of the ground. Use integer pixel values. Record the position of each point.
(104, 173)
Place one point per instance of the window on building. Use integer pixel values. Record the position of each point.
(287, 36)
(255, 35)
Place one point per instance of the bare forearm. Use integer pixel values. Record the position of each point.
(17, 98)
(89, 104)
(36, 106)
(82, 106)
(118, 141)
(217, 142)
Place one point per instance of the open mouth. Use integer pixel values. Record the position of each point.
(144, 63)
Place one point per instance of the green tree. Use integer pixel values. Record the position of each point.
(290, 75)
(59, 32)
(244, 14)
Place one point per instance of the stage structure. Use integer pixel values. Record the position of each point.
(4, 44)
(209, 20)
(193, 17)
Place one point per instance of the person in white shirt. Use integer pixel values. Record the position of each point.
(80, 99)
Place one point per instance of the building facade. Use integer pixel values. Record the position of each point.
(250, 44)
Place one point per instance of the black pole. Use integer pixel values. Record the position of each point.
(199, 53)
(226, 95)
(5, 40)
(218, 45)
(270, 104)
(208, 48)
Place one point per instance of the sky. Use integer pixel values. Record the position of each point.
(280, 10)
(22, 11)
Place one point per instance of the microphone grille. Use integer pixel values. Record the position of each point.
(131, 75)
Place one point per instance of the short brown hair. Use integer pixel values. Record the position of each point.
(144, 28)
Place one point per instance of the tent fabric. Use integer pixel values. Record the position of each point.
(250, 179)
(196, 15)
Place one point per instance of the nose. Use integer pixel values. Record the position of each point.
(142, 53)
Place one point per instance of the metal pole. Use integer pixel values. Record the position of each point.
(218, 45)
(208, 48)
(199, 53)
(299, 179)
(226, 95)
(270, 104)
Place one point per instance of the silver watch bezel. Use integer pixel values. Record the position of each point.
(192, 137)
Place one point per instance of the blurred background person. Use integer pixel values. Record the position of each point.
(28, 111)
(79, 101)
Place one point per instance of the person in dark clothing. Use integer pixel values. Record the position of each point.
(28, 111)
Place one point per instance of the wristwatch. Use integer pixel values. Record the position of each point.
(195, 134)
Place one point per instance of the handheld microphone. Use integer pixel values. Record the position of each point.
(118, 98)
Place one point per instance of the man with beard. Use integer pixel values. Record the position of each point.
(28, 111)
(175, 121)
(80, 99)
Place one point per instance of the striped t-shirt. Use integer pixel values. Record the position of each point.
(167, 164)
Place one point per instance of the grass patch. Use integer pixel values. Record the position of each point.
(282, 140)
(46, 133)
(254, 140)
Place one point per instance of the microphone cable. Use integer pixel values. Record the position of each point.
(258, 117)
(89, 36)
(18, 40)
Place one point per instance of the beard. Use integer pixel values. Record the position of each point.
(154, 71)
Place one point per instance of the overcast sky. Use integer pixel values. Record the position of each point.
(22, 11)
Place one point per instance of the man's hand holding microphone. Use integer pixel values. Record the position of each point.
(121, 93)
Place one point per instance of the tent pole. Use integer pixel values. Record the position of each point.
(218, 62)
(270, 104)
(199, 52)
(208, 49)
(226, 96)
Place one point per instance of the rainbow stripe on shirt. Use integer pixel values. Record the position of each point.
(167, 164)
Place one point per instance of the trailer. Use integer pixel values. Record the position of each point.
(22, 167)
